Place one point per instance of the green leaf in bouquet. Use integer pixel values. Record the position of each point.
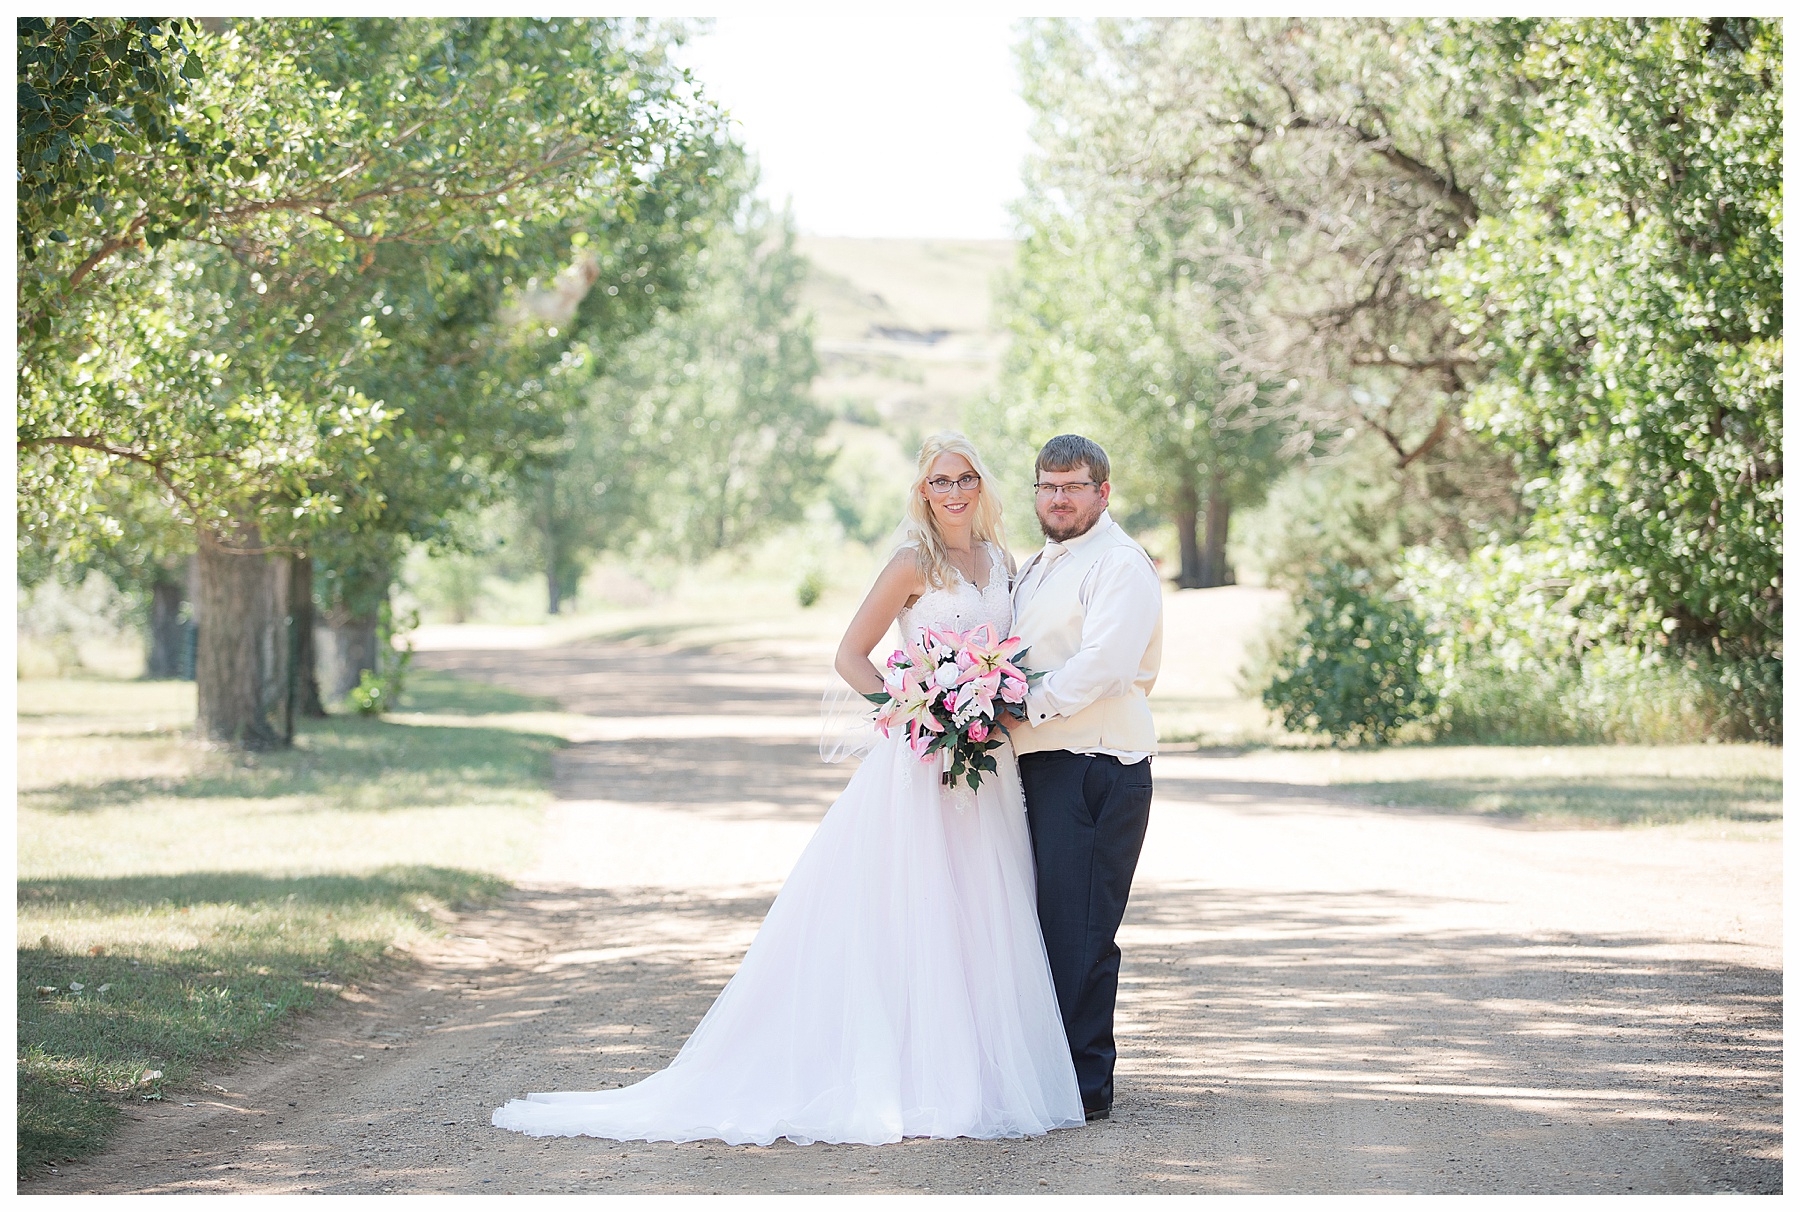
(985, 761)
(879, 698)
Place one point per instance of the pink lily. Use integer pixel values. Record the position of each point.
(982, 652)
(911, 707)
(941, 645)
(978, 692)
(918, 729)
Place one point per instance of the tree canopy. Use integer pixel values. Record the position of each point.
(1536, 258)
(1627, 301)
(216, 310)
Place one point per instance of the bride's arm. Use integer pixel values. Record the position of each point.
(898, 583)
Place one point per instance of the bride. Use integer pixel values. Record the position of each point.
(899, 985)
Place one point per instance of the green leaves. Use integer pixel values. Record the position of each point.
(204, 246)
(1129, 320)
(1630, 298)
(1353, 669)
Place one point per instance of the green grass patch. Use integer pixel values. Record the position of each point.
(177, 904)
(1619, 800)
(1604, 785)
(58, 1124)
(435, 693)
(346, 762)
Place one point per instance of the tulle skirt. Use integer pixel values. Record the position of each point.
(898, 987)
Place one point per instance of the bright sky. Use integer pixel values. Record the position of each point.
(878, 123)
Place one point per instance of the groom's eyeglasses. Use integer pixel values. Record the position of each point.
(943, 484)
(1072, 489)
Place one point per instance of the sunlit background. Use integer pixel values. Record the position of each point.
(875, 124)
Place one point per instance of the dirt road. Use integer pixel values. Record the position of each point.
(1319, 995)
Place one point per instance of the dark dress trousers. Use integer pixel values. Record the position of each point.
(1087, 814)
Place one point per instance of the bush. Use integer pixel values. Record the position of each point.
(70, 628)
(1529, 648)
(1749, 690)
(1353, 668)
(812, 587)
(1514, 645)
(380, 692)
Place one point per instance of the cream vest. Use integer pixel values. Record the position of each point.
(1050, 622)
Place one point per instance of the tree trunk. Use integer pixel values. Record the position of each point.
(554, 584)
(166, 633)
(1213, 568)
(245, 647)
(306, 650)
(1187, 523)
(353, 643)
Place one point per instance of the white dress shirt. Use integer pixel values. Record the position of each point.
(1121, 597)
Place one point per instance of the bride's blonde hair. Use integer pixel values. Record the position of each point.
(921, 530)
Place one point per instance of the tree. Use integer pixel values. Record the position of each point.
(725, 386)
(1627, 299)
(211, 328)
(1133, 295)
(700, 434)
(1323, 167)
(91, 89)
(148, 558)
(477, 354)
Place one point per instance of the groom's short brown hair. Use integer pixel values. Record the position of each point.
(1067, 451)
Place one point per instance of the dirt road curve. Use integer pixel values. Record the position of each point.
(1319, 995)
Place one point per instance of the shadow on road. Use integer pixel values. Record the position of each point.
(1306, 997)
(612, 682)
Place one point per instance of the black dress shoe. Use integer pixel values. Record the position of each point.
(1099, 1113)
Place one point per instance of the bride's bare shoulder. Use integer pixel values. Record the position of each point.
(904, 567)
(905, 556)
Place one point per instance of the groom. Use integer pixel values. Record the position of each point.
(1090, 607)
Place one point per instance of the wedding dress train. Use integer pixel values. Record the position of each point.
(898, 986)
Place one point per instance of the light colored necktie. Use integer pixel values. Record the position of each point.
(1052, 553)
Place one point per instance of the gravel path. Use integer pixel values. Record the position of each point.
(1319, 995)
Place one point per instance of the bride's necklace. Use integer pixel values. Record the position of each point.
(964, 562)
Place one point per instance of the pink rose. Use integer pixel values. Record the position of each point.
(978, 731)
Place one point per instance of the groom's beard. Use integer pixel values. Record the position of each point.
(1069, 521)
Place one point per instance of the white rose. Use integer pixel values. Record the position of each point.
(947, 674)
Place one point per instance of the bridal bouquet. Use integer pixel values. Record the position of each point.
(945, 689)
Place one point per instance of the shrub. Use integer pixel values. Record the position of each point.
(1529, 648)
(1353, 666)
(380, 692)
(812, 587)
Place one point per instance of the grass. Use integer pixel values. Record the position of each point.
(1620, 800)
(1736, 787)
(177, 905)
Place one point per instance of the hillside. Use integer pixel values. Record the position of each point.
(905, 331)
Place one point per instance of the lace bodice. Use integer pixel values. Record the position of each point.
(962, 606)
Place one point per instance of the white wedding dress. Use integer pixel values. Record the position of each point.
(898, 987)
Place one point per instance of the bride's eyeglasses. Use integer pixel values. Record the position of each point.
(943, 484)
